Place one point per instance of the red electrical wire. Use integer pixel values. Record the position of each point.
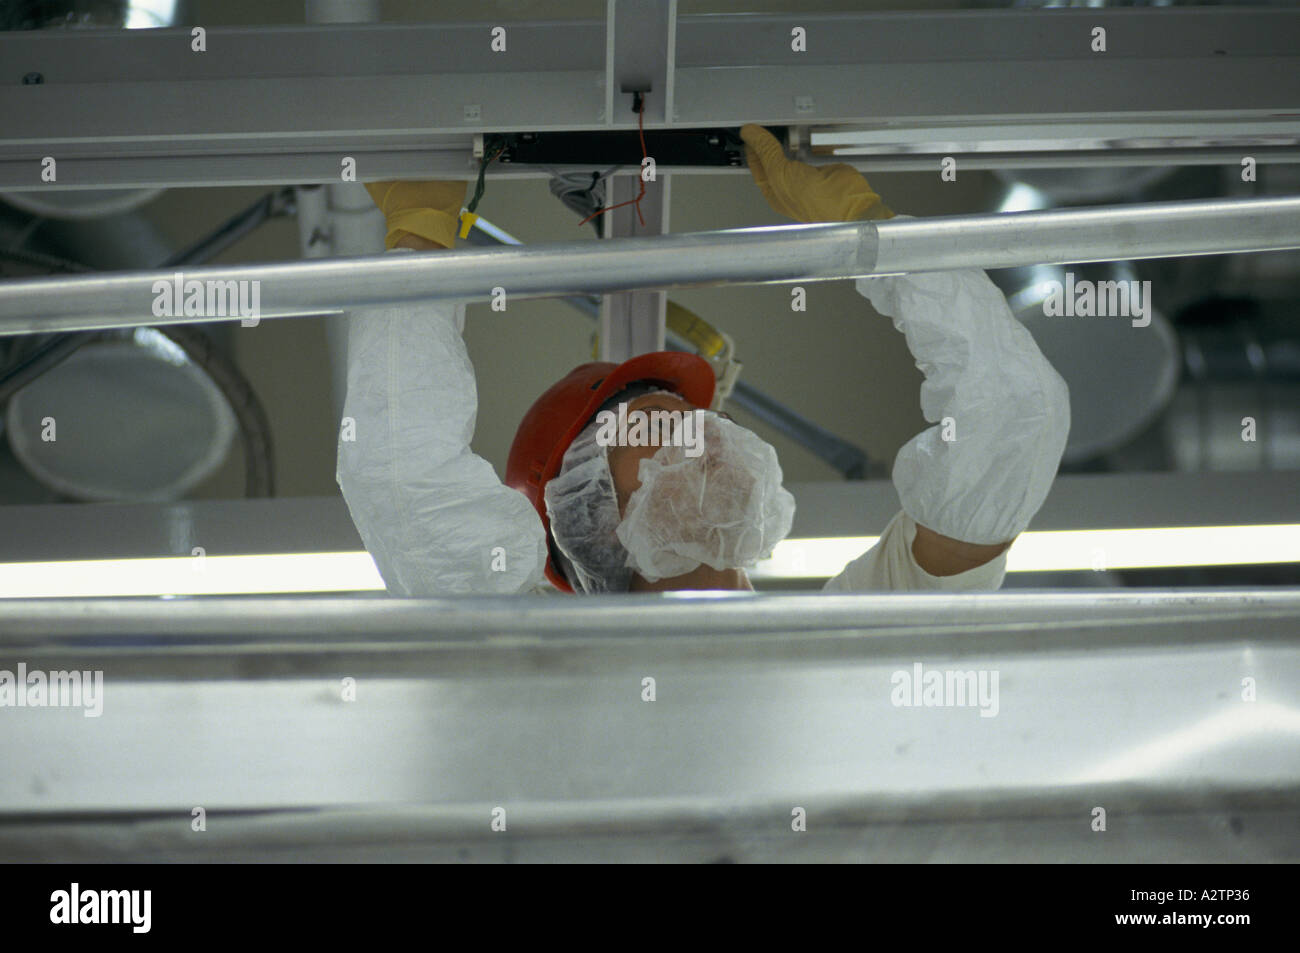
(640, 126)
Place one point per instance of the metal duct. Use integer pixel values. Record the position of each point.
(1239, 405)
(1121, 377)
(123, 416)
(1224, 326)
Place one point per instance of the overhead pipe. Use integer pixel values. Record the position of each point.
(734, 256)
(317, 625)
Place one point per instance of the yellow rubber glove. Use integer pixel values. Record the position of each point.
(805, 193)
(428, 209)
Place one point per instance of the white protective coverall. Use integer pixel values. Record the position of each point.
(437, 519)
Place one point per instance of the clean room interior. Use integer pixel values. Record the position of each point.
(186, 534)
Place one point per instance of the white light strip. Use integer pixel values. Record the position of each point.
(500, 234)
(810, 558)
(1071, 550)
(191, 576)
(1021, 137)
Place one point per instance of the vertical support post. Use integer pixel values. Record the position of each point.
(632, 322)
(339, 220)
(640, 42)
(641, 35)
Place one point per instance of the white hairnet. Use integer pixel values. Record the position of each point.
(583, 509)
(582, 506)
(724, 508)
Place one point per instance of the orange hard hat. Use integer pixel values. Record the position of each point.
(559, 415)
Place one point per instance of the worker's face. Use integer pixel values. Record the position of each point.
(705, 507)
(625, 462)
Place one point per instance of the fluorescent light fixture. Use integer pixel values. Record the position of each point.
(1155, 548)
(500, 234)
(191, 575)
(150, 14)
(1051, 137)
(1071, 550)
(1023, 198)
(810, 558)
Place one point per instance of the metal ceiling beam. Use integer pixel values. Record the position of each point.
(1131, 701)
(284, 104)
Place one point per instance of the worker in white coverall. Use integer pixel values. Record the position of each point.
(592, 517)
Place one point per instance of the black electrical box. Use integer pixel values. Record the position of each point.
(668, 147)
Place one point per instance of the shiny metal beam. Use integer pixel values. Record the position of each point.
(312, 624)
(735, 256)
(1078, 235)
(1129, 701)
(263, 113)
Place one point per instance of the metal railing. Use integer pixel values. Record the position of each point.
(735, 256)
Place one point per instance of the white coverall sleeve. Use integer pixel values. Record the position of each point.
(992, 392)
(890, 566)
(434, 516)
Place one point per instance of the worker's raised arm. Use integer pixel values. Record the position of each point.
(435, 517)
(971, 483)
(1001, 416)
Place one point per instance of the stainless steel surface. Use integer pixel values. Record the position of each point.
(1228, 831)
(320, 624)
(1128, 700)
(1001, 65)
(753, 255)
(316, 287)
(641, 43)
(263, 113)
(295, 168)
(1108, 233)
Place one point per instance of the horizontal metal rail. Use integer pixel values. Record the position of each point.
(324, 623)
(263, 112)
(736, 256)
(1138, 705)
